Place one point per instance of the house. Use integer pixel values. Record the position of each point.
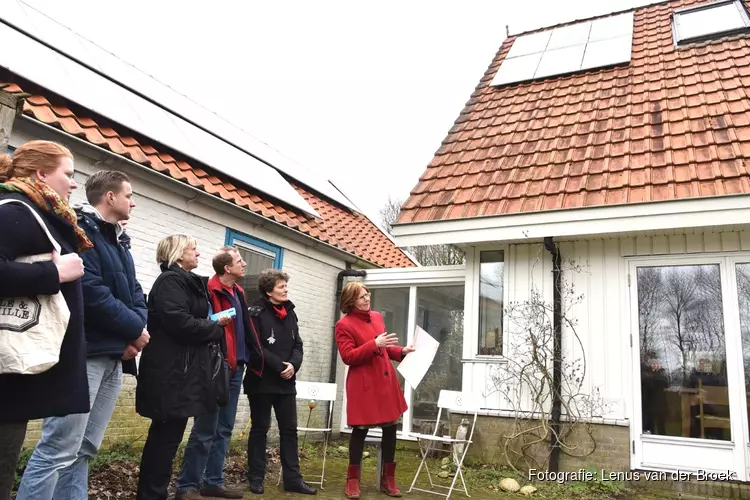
(192, 173)
(598, 181)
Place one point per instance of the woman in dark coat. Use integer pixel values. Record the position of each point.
(276, 357)
(373, 394)
(40, 175)
(175, 381)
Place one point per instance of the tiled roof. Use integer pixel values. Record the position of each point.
(349, 231)
(672, 124)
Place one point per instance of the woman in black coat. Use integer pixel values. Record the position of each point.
(175, 381)
(40, 175)
(276, 348)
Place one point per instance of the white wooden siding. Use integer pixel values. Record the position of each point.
(602, 315)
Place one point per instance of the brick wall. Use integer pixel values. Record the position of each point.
(164, 208)
(612, 450)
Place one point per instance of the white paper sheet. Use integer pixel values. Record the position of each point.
(415, 365)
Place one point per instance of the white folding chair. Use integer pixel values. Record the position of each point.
(315, 392)
(448, 400)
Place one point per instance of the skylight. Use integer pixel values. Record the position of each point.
(567, 49)
(710, 20)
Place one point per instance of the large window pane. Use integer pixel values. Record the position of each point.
(393, 304)
(683, 354)
(440, 312)
(256, 262)
(491, 303)
(743, 295)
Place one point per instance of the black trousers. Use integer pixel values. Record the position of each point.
(285, 407)
(164, 437)
(12, 435)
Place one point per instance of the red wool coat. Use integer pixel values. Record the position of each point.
(373, 393)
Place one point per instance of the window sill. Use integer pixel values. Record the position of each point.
(489, 360)
(490, 412)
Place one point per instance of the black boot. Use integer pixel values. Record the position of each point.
(256, 486)
(301, 487)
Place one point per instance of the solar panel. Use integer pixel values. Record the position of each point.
(529, 44)
(607, 52)
(45, 67)
(567, 36)
(567, 49)
(611, 27)
(560, 61)
(173, 100)
(518, 69)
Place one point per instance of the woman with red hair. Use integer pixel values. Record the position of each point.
(38, 180)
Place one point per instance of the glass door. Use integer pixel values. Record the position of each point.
(741, 281)
(689, 413)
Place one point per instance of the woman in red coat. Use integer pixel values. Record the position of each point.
(373, 394)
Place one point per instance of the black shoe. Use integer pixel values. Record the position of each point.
(256, 487)
(301, 487)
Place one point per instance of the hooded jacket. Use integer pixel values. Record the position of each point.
(115, 311)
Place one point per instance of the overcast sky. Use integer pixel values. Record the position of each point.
(362, 92)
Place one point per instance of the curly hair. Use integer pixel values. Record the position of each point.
(267, 280)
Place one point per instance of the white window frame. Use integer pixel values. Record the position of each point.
(734, 451)
(680, 41)
(471, 305)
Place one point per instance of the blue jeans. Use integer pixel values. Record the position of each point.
(59, 465)
(208, 444)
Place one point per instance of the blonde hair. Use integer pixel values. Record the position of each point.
(32, 157)
(170, 249)
(350, 295)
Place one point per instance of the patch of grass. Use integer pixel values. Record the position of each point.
(120, 452)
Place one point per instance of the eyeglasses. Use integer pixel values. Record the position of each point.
(365, 296)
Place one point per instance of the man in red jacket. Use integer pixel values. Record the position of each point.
(203, 462)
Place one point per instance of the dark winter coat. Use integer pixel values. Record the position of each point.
(114, 307)
(63, 389)
(175, 367)
(373, 393)
(280, 342)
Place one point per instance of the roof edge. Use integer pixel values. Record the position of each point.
(580, 221)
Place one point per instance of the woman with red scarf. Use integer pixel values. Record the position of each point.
(275, 341)
(373, 394)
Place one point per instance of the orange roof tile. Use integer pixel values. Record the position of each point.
(672, 124)
(349, 231)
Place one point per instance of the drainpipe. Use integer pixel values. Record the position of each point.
(551, 247)
(339, 286)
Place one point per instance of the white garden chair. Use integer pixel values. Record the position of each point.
(448, 400)
(317, 392)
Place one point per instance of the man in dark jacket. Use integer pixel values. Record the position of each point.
(276, 357)
(114, 323)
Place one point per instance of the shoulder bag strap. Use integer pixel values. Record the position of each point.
(52, 240)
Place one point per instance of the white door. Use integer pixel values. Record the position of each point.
(691, 337)
(432, 298)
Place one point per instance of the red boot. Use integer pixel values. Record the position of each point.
(352, 482)
(388, 481)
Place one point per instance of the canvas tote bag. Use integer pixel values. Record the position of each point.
(32, 328)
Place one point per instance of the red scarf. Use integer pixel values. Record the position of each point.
(280, 311)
